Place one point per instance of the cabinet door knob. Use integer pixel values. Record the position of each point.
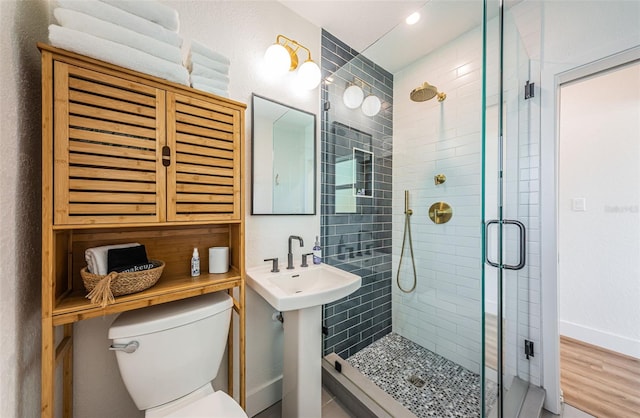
(166, 156)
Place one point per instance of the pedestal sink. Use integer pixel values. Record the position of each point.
(299, 294)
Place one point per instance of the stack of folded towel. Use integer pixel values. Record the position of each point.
(140, 35)
(209, 70)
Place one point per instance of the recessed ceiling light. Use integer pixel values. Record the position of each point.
(413, 18)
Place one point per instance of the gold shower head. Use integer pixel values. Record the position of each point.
(426, 92)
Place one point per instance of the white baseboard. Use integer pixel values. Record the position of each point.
(262, 397)
(491, 307)
(613, 342)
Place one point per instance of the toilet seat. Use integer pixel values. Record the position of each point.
(218, 404)
(203, 403)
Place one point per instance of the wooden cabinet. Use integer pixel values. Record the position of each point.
(128, 157)
(128, 151)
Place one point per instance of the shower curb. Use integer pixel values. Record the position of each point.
(362, 397)
(522, 400)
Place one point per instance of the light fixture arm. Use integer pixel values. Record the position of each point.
(357, 81)
(295, 45)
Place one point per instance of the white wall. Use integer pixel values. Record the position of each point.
(241, 30)
(599, 267)
(571, 34)
(22, 24)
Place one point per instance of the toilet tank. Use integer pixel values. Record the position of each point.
(181, 345)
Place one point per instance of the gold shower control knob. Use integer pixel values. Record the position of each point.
(440, 212)
(439, 179)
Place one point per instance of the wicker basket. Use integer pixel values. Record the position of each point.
(102, 289)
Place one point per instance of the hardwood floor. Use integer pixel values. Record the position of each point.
(490, 341)
(598, 381)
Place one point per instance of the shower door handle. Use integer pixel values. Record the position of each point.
(486, 242)
(523, 243)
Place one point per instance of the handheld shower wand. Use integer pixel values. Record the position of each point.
(407, 229)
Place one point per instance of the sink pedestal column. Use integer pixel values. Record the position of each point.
(302, 374)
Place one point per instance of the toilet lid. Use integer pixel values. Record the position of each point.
(217, 404)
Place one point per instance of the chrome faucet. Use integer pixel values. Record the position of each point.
(290, 254)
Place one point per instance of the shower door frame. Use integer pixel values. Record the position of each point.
(510, 254)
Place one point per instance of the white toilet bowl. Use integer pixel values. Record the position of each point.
(168, 355)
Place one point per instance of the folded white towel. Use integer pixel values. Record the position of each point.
(97, 260)
(211, 89)
(203, 50)
(211, 64)
(213, 82)
(127, 20)
(106, 30)
(150, 10)
(201, 70)
(115, 53)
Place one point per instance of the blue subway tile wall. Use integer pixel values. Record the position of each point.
(356, 226)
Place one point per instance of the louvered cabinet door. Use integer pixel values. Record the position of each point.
(109, 133)
(203, 179)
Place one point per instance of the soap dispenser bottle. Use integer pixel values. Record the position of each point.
(317, 252)
(195, 263)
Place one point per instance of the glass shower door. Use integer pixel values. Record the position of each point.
(509, 205)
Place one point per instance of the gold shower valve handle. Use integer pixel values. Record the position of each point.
(440, 212)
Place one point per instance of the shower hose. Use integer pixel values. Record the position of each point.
(407, 231)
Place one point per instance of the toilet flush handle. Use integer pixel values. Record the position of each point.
(127, 348)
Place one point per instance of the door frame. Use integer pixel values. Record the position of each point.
(552, 77)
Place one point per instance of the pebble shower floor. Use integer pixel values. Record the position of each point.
(426, 383)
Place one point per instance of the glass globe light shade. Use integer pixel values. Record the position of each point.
(371, 105)
(353, 96)
(309, 75)
(277, 59)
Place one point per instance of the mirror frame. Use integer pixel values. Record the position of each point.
(253, 155)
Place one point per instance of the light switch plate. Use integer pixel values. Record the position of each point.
(579, 204)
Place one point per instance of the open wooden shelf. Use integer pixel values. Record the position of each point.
(74, 306)
(140, 226)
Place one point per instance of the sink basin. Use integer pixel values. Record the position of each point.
(302, 287)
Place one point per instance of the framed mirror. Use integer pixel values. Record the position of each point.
(283, 164)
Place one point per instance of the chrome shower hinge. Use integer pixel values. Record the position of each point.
(529, 90)
(528, 348)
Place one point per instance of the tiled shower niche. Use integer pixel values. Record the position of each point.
(356, 197)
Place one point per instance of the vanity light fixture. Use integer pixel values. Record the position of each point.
(354, 97)
(282, 57)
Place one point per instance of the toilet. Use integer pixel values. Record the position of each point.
(168, 355)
